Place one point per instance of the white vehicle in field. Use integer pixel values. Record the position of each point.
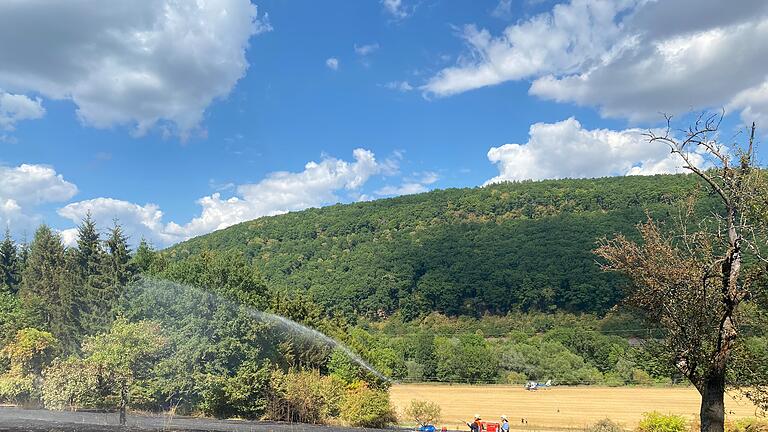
(533, 385)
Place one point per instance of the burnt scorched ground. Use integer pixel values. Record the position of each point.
(23, 420)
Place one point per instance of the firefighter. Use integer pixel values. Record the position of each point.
(475, 426)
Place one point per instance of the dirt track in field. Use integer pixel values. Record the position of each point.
(560, 406)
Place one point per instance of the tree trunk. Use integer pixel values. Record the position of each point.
(712, 413)
(123, 403)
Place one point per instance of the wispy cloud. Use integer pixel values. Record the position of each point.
(332, 63)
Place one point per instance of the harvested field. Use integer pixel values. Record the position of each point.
(559, 407)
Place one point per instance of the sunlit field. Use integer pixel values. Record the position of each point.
(557, 407)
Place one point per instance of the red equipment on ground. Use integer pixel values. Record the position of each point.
(490, 427)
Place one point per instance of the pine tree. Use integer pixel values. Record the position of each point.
(10, 267)
(118, 269)
(144, 257)
(89, 252)
(46, 290)
(23, 250)
(89, 265)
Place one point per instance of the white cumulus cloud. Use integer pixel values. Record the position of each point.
(560, 41)
(34, 184)
(629, 58)
(16, 107)
(280, 192)
(566, 150)
(25, 187)
(136, 63)
(138, 221)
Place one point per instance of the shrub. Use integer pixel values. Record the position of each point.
(747, 425)
(240, 395)
(657, 422)
(516, 378)
(245, 390)
(641, 377)
(29, 351)
(365, 407)
(423, 412)
(604, 425)
(18, 389)
(613, 379)
(304, 397)
(71, 384)
(25, 354)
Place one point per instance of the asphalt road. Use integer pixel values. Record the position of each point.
(24, 420)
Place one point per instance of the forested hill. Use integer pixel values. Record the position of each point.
(457, 251)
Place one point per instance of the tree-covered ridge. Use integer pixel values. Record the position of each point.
(512, 246)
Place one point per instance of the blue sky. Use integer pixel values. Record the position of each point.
(179, 119)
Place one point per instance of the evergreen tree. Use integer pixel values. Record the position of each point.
(144, 257)
(23, 251)
(89, 252)
(46, 290)
(10, 268)
(88, 268)
(118, 269)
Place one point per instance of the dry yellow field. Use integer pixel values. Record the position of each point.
(559, 407)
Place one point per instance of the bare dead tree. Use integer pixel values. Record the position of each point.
(693, 281)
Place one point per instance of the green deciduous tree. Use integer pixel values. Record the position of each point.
(468, 358)
(27, 354)
(125, 355)
(423, 412)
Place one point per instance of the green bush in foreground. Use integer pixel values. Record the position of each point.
(365, 407)
(658, 422)
(304, 396)
(423, 412)
(71, 384)
(747, 425)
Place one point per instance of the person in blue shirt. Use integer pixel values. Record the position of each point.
(504, 424)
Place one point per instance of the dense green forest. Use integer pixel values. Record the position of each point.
(488, 285)
(506, 247)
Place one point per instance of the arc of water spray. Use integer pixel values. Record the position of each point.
(325, 339)
(148, 283)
